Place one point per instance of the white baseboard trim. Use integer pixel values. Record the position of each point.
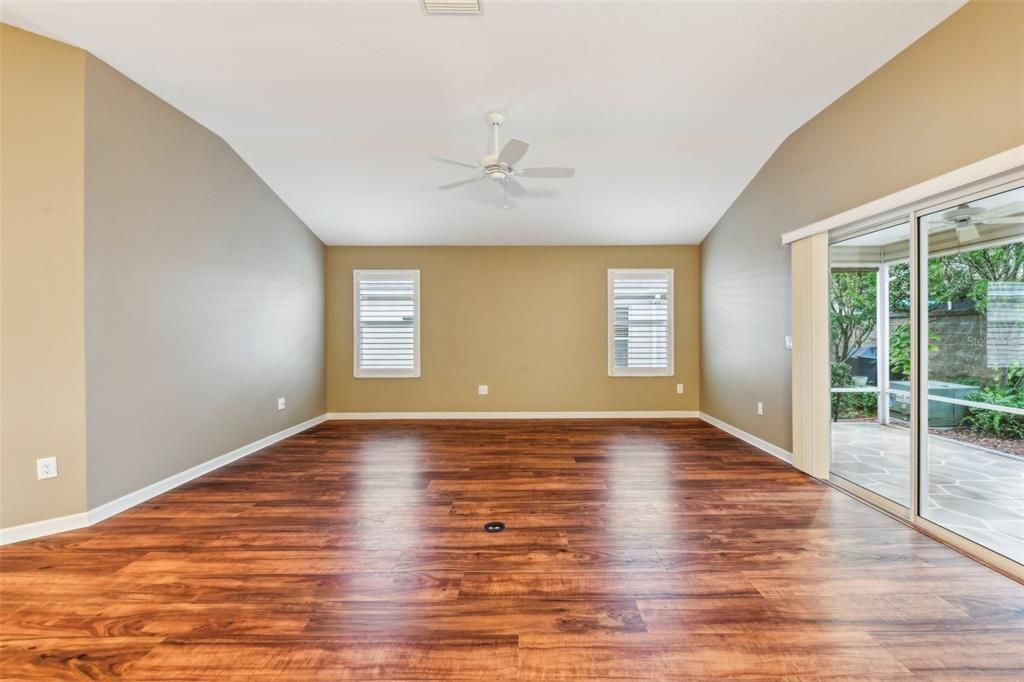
(38, 529)
(664, 414)
(758, 443)
(105, 511)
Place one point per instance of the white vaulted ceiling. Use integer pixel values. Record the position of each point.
(666, 109)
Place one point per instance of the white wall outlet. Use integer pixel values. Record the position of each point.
(760, 408)
(281, 403)
(46, 467)
(789, 343)
(679, 388)
(481, 389)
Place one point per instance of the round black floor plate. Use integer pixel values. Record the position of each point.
(494, 526)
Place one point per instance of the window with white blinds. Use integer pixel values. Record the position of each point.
(640, 323)
(387, 323)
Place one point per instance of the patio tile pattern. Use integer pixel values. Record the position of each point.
(973, 492)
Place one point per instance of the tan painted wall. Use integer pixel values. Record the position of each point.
(953, 97)
(530, 322)
(42, 333)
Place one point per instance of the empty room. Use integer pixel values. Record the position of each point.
(512, 340)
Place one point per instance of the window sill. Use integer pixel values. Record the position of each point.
(642, 373)
(386, 375)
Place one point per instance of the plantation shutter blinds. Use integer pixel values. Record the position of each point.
(386, 323)
(640, 323)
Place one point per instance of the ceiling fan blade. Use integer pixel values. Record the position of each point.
(460, 183)
(1005, 220)
(455, 163)
(514, 188)
(547, 172)
(512, 152)
(1010, 209)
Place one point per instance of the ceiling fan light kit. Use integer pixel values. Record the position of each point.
(500, 165)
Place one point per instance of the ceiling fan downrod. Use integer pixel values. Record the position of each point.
(496, 119)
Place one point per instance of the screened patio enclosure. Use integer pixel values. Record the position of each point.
(935, 297)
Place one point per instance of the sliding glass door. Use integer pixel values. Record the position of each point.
(972, 454)
(869, 301)
(926, 345)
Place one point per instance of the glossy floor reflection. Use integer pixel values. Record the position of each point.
(645, 550)
(971, 491)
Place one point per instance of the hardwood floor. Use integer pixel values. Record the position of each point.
(650, 550)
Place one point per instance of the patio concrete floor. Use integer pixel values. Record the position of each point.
(973, 492)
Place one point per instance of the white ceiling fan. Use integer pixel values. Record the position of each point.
(966, 218)
(500, 165)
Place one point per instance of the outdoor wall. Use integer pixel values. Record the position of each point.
(42, 349)
(530, 322)
(204, 294)
(909, 121)
(960, 336)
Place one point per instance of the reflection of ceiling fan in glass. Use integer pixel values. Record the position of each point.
(966, 218)
(500, 165)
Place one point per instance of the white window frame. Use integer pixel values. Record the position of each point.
(379, 373)
(618, 273)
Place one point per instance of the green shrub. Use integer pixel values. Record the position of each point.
(863, 404)
(899, 350)
(990, 422)
(1013, 376)
(854, 405)
(850, 405)
(842, 375)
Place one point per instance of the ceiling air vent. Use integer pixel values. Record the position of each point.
(452, 6)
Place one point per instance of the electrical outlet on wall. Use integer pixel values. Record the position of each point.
(760, 408)
(481, 389)
(46, 467)
(680, 388)
(281, 403)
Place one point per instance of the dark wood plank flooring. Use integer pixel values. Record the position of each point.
(653, 550)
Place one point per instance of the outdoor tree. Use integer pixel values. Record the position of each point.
(952, 278)
(965, 276)
(853, 307)
(959, 277)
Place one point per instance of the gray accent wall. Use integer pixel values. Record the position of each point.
(204, 295)
(952, 98)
